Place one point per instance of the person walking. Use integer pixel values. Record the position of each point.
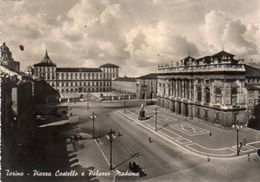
(249, 159)
(150, 140)
(208, 158)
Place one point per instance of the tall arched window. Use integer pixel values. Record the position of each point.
(207, 95)
(163, 89)
(199, 94)
(233, 96)
(218, 96)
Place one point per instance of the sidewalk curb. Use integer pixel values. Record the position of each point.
(106, 159)
(176, 144)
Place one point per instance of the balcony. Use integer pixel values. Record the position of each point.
(169, 68)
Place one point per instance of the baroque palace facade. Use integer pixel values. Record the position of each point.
(75, 80)
(212, 88)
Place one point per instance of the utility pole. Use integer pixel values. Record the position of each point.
(155, 113)
(124, 105)
(237, 126)
(110, 136)
(87, 101)
(93, 117)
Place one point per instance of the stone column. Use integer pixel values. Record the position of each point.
(195, 98)
(159, 89)
(223, 94)
(190, 89)
(212, 93)
(203, 92)
(187, 86)
(174, 88)
(177, 88)
(167, 88)
(241, 95)
(226, 94)
(182, 90)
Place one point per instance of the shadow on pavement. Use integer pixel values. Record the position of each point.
(48, 156)
(164, 126)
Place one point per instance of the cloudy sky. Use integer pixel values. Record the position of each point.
(134, 34)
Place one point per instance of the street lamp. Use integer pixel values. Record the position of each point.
(237, 126)
(124, 105)
(93, 117)
(110, 136)
(87, 101)
(155, 113)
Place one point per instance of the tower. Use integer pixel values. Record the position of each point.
(7, 60)
(46, 70)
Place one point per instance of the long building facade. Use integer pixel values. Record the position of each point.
(125, 85)
(147, 86)
(76, 80)
(211, 88)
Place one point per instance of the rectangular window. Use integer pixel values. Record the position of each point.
(217, 117)
(206, 115)
(198, 112)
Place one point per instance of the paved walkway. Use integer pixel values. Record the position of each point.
(196, 135)
(90, 156)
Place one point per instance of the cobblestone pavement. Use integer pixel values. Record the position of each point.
(196, 135)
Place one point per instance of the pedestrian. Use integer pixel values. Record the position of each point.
(130, 166)
(245, 141)
(74, 145)
(134, 166)
(150, 140)
(249, 159)
(208, 159)
(241, 144)
(210, 134)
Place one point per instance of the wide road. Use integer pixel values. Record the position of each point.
(159, 159)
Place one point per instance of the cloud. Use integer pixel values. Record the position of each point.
(221, 30)
(136, 35)
(233, 35)
(158, 42)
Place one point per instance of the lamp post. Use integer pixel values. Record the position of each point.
(124, 105)
(93, 117)
(110, 136)
(87, 101)
(237, 126)
(155, 113)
